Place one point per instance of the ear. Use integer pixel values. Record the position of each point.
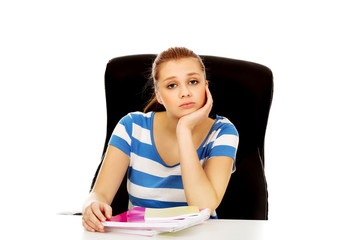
(206, 83)
(158, 97)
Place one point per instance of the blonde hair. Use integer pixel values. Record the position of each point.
(174, 53)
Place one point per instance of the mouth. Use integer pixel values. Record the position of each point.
(187, 105)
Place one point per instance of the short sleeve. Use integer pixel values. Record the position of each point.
(226, 142)
(120, 137)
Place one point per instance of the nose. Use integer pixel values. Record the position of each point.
(184, 92)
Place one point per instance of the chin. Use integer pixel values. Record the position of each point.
(183, 112)
(188, 111)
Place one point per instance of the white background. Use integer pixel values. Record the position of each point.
(53, 114)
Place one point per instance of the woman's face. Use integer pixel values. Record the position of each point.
(181, 86)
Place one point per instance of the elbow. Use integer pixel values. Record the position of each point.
(210, 204)
(212, 207)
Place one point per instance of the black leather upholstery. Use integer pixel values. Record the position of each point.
(242, 92)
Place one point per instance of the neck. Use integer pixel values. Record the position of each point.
(170, 122)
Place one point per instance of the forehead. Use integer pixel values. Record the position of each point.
(180, 67)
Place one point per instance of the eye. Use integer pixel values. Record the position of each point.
(172, 85)
(193, 82)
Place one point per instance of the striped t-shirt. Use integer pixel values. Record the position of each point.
(151, 183)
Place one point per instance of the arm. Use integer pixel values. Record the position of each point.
(97, 205)
(204, 188)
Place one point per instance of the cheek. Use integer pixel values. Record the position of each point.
(167, 100)
(203, 97)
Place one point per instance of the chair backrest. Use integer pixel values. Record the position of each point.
(242, 92)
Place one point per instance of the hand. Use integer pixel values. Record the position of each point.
(95, 213)
(191, 120)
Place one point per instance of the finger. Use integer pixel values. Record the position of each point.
(209, 102)
(208, 94)
(91, 227)
(89, 218)
(96, 223)
(96, 208)
(87, 227)
(93, 222)
(107, 211)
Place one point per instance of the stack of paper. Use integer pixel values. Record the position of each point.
(149, 221)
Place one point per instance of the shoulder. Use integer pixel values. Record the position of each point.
(135, 125)
(139, 118)
(223, 125)
(223, 139)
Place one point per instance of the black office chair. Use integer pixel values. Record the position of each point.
(242, 92)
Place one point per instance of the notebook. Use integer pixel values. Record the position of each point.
(151, 221)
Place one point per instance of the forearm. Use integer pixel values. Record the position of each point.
(110, 176)
(198, 189)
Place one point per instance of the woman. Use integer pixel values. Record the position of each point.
(175, 157)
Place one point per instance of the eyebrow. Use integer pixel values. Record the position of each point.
(173, 77)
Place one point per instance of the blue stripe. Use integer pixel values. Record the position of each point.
(127, 122)
(223, 150)
(154, 203)
(147, 151)
(120, 143)
(228, 130)
(151, 181)
(141, 120)
(140, 147)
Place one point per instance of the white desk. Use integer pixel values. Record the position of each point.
(69, 227)
(51, 226)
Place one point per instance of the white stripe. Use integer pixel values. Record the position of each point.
(120, 131)
(148, 114)
(152, 167)
(224, 120)
(141, 134)
(212, 137)
(227, 139)
(158, 194)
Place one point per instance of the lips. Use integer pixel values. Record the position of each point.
(187, 105)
